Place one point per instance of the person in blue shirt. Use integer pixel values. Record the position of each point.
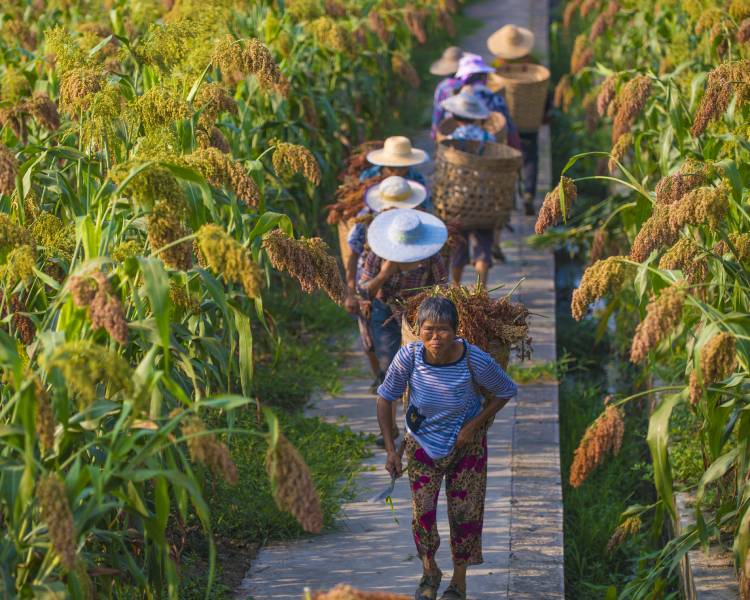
(446, 422)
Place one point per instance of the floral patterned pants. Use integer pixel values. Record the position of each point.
(465, 473)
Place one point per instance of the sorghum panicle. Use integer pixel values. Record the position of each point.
(308, 261)
(77, 88)
(550, 213)
(655, 233)
(718, 358)
(581, 55)
(226, 256)
(619, 150)
(563, 94)
(741, 243)
(213, 99)
(404, 70)
(743, 32)
(602, 437)
(293, 158)
(205, 449)
(414, 19)
(106, 310)
(57, 515)
(45, 418)
(630, 102)
(222, 171)
(598, 245)
(607, 93)
(587, 6)
(330, 34)
(602, 277)
(663, 314)
(725, 81)
(293, 488)
(378, 26)
(701, 206)
(671, 188)
(628, 528)
(8, 171)
(24, 326)
(164, 227)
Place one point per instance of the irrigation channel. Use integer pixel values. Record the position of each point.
(371, 547)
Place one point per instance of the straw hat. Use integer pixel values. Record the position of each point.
(397, 152)
(510, 42)
(406, 235)
(395, 192)
(448, 63)
(471, 64)
(466, 105)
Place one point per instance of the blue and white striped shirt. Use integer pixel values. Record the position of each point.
(444, 394)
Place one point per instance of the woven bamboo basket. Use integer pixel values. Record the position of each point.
(343, 229)
(525, 87)
(496, 124)
(477, 189)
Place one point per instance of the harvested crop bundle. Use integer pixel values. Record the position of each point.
(496, 325)
(357, 160)
(347, 592)
(350, 198)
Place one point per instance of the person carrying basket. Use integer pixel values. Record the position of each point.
(403, 257)
(446, 380)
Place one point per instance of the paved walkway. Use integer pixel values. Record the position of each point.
(371, 548)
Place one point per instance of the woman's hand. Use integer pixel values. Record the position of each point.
(388, 269)
(351, 303)
(393, 463)
(466, 435)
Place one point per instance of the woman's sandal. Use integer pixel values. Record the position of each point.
(428, 586)
(453, 593)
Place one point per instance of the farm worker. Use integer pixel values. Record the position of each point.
(513, 45)
(445, 67)
(397, 158)
(403, 256)
(473, 71)
(446, 437)
(469, 110)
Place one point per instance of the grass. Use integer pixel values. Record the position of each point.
(547, 372)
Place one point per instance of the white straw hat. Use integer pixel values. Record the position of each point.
(471, 64)
(511, 42)
(466, 105)
(397, 152)
(406, 235)
(395, 192)
(448, 62)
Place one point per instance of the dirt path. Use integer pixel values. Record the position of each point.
(371, 547)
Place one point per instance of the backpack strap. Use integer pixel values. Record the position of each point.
(407, 392)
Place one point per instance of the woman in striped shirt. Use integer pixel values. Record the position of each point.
(447, 427)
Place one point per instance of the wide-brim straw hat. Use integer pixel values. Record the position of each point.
(395, 192)
(471, 64)
(397, 152)
(406, 235)
(447, 64)
(511, 42)
(466, 105)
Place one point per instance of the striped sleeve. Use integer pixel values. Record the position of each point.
(491, 375)
(394, 384)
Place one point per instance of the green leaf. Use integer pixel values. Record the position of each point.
(733, 174)
(717, 469)
(658, 441)
(245, 334)
(269, 220)
(197, 84)
(156, 283)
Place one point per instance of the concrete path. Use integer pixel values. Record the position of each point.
(371, 547)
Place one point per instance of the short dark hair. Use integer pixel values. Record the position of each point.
(437, 309)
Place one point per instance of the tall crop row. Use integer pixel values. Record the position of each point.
(662, 90)
(153, 156)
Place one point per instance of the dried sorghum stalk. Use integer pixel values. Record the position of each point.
(663, 314)
(619, 150)
(602, 437)
(8, 171)
(701, 206)
(688, 257)
(629, 527)
(404, 70)
(205, 449)
(226, 256)
(551, 212)
(293, 158)
(77, 88)
(655, 233)
(630, 102)
(723, 82)
(221, 171)
(45, 418)
(164, 228)
(57, 515)
(308, 261)
(347, 592)
(581, 55)
(293, 488)
(602, 277)
(607, 93)
(84, 365)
